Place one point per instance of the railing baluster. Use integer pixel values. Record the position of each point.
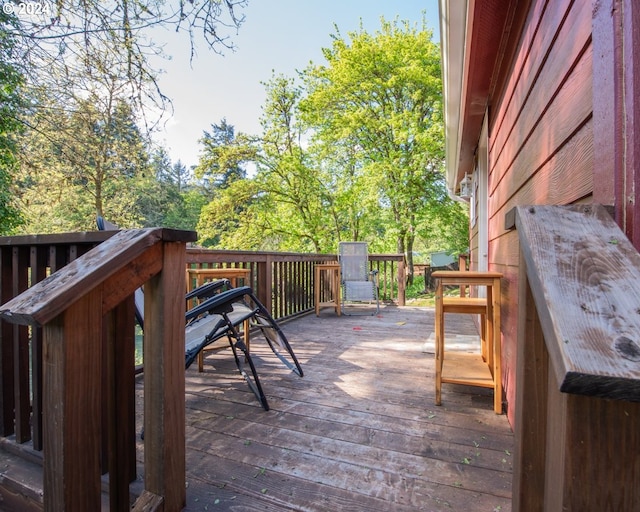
(38, 265)
(7, 395)
(20, 276)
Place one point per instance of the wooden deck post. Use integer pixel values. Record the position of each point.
(402, 287)
(164, 405)
(265, 283)
(531, 403)
(72, 407)
(578, 402)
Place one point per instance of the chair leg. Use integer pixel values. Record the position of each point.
(278, 343)
(252, 379)
(275, 337)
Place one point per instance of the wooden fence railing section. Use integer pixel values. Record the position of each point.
(85, 313)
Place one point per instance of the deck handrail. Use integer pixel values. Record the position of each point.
(85, 311)
(578, 361)
(284, 280)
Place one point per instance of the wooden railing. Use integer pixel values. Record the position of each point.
(25, 261)
(85, 316)
(283, 281)
(577, 418)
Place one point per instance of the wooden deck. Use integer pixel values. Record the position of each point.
(359, 432)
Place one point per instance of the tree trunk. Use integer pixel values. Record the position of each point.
(410, 240)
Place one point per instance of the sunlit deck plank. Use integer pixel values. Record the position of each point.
(358, 432)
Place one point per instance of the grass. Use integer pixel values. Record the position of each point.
(416, 295)
(139, 338)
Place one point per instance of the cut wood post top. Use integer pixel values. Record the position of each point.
(584, 276)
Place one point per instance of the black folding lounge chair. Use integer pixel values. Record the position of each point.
(220, 315)
(220, 311)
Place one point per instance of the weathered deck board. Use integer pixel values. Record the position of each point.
(359, 432)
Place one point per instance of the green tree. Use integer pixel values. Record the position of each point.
(159, 194)
(170, 198)
(284, 205)
(95, 162)
(77, 53)
(381, 96)
(229, 220)
(221, 176)
(224, 156)
(11, 103)
(295, 196)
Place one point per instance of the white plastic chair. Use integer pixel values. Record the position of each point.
(359, 284)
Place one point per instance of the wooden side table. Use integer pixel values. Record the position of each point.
(332, 273)
(469, 369)
(202, 275)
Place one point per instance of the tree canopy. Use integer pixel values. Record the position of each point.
(80, 98)
(379, 97)
(349, 149)
(352, 149)
(11, 104)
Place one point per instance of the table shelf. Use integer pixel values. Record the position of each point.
(483, 369)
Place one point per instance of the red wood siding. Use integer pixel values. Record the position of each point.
(540, 140)
(616, 100)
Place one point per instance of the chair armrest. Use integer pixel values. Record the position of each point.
(208, 289)
(217, 301)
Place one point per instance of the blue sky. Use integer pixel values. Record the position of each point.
(279, 36)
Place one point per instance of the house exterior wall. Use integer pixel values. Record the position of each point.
(558, 84)
(540, 140)
(616, 110)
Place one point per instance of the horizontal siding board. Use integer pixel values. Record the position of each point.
(564, 179)
(570, 110)
(505, 249)
(559, 45)
(521, 66)
(562, 94)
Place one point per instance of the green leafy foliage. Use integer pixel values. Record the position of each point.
(93, 163)
(93, 99)
(352, 149)
(11, 102)
(378, 99)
